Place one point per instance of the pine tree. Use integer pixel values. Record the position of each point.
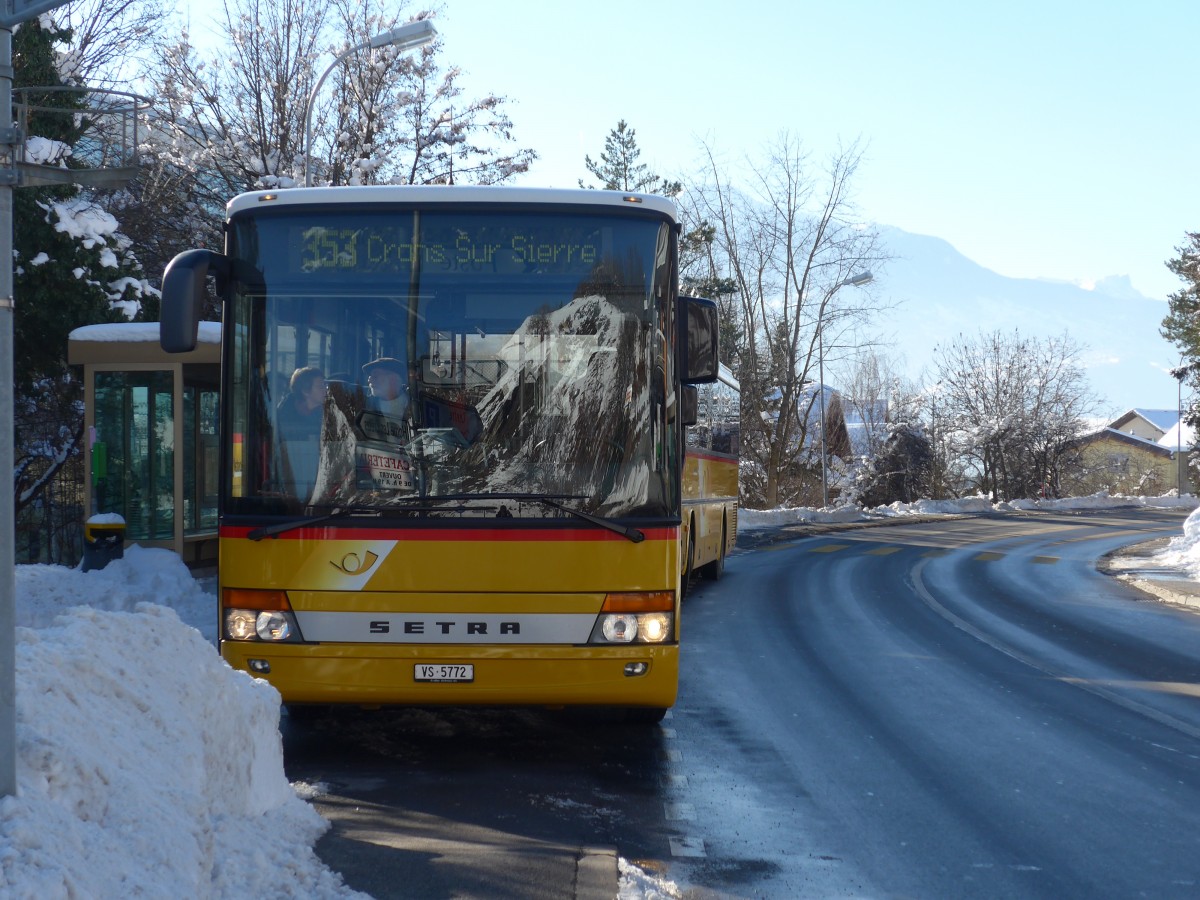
(903, 470)
(73, 267)
(1182, 324)
(619, 169)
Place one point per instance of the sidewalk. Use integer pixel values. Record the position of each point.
(1134, 565)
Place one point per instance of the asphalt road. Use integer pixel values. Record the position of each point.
(951, 708)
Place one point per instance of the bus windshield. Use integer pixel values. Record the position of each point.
(450, 362)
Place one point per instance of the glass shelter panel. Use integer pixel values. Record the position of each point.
(200, 458)
(134, 419)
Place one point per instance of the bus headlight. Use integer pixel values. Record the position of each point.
(252, 615)
(630, 628)
(619, 629)
(273, 625)
(239, 624)
(655, 627)
(635, 618)
(260, 625)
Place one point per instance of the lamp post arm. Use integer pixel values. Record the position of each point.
(405, 37)
(312, 99)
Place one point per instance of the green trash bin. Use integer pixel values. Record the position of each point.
(103, 541)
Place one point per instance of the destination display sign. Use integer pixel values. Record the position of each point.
(458, 245)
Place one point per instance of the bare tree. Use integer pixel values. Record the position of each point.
(237, 121)
(109, 39)
(788, 245)
(402, 119)
(876, 395)
(1013, 406)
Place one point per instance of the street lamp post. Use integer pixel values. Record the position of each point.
(853, 281)
(406, 37)
(1180, 372)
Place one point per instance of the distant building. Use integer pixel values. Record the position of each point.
(1149, 424)
(1140, 453)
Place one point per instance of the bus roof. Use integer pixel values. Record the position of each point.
(440, 194)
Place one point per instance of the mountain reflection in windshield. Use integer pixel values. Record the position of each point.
(572, 408)
(569, 413)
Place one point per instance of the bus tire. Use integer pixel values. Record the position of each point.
(305, 715)
(645, 715)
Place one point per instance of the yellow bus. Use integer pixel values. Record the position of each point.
(710, 477)
(452, 442)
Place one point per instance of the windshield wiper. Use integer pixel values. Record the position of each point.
(257, 534)
(626, 531)
(551, 500)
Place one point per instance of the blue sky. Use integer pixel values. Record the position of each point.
(1042, 139)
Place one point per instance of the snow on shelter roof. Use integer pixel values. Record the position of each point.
(139, 332)
(137, 342)
(438, 195)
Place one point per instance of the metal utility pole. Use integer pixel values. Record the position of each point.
(12, 13)
(8, 586)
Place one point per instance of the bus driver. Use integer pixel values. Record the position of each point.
(385, 384)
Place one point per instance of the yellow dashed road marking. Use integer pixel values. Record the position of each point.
(829, 548)
(1045, 560)
(988, 556)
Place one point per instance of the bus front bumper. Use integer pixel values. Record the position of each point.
(518, 676)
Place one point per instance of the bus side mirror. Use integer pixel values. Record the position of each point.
(701, 351)
(183, 293)
(689, 405)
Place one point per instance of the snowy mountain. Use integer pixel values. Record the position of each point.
(938, 293)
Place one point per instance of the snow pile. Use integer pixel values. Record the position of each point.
(1183, 552)
(638, 884)
(1105, 501)
(145, 765)
(773, 518)
(143, 576)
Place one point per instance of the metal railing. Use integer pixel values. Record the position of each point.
(104, 135)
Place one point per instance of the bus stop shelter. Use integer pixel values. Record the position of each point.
(151, 420)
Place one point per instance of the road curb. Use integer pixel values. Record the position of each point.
(597, 875)
(1127, 565)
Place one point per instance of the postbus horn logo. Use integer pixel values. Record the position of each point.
(352, 565)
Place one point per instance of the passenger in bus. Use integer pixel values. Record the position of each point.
(300, 410)
(298, 420)
(386, 387)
